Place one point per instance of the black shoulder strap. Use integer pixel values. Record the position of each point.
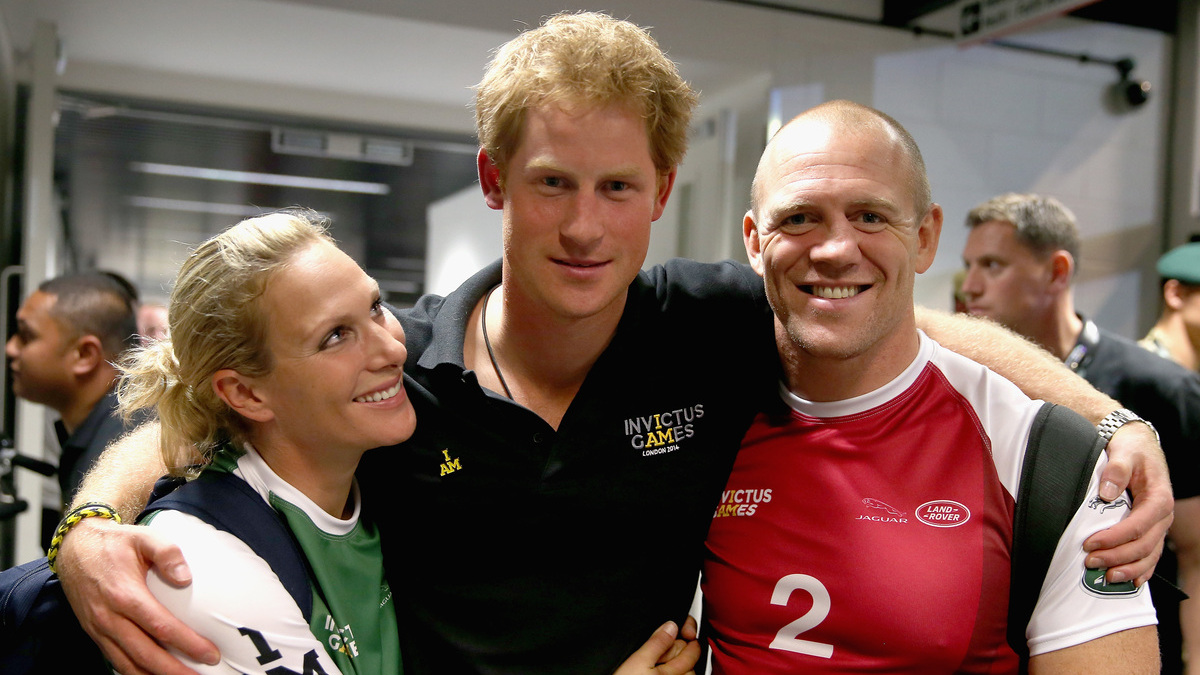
(227, 503)
(1062, 452)
(38, 630)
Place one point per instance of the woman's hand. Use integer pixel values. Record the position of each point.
(669, 651)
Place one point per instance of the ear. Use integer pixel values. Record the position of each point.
(666, 182)
(87, 355)
(240, 393)
(750, 239)
(929, 232)
(1062, 269)
(1173, 294)
(489, 181)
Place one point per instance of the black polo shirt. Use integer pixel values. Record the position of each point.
(81, 449)
(515, 548)
(1155, 388)
(1168, 395)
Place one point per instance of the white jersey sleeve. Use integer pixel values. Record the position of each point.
(1075, 606)
(236, 601)
(1071, 608)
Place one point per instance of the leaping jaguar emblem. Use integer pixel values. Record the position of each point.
(1097, 503)
(876, 504)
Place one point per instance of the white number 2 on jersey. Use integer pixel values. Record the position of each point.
(786, 639)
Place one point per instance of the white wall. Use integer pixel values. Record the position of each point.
(729, 135)
(463, 236)
(991, 120)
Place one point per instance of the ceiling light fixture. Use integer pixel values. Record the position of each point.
(189, 206)
(281, 180)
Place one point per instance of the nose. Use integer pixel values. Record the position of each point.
(10, 347)
(386, 344)
(838, 244)
(583, 226)
(972, 285)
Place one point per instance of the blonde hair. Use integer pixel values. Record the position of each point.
(215, 323)
(586, 58)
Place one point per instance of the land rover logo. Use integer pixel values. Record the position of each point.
(943, 513)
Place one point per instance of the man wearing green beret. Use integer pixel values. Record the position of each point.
(1176, 336)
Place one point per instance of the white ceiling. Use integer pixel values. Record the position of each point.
(429, 51)
(281, 43)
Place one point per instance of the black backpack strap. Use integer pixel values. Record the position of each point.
(228, 503)
(38, 630)
(1059, 461)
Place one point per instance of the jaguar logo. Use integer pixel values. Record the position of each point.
(1097, 504)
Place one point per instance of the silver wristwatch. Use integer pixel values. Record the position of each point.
(1117, 419)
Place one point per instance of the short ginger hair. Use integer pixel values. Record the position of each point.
(583, 59)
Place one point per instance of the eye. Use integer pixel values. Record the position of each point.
(377, 307)
(552, 181)
(796, 223)
(618, 186)
(335, 337)
(869, 221)
(991, 267)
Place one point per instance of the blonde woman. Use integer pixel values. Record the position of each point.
(282, 368)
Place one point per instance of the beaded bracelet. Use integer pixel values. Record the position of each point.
(88, 510)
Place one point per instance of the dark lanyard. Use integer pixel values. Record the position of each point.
(1081, 355)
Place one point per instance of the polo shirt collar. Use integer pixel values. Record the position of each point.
(82, 437)
(450, 325)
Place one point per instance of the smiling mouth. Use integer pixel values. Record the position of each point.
(580, 265)
(834, 292)
(381, 395)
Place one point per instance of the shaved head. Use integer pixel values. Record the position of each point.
(850, 119)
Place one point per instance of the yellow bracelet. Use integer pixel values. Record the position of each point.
(88, 510)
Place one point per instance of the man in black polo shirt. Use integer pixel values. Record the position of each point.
(1021, 259)
(69, 332)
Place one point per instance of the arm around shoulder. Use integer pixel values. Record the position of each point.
(1036, 371)
(1131, 549)
(125, 473)
(103, 565)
